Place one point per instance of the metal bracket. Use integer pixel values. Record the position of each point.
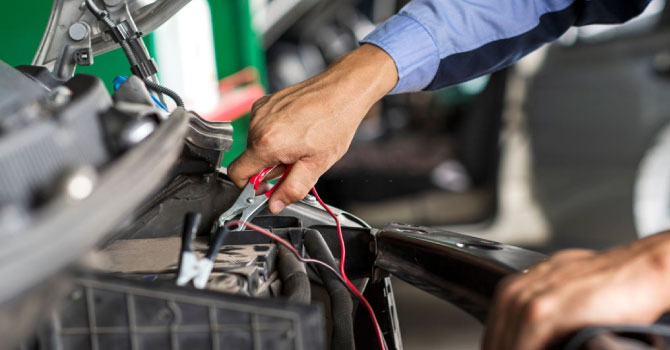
(73, 35)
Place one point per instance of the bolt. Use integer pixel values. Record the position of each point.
(78, 31)
(250, 200)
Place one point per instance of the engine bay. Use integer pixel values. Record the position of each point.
(99, 197)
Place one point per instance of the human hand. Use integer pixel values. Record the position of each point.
(311, 124)
(578, 288)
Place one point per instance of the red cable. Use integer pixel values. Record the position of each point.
(343, 276)
(285, 244)
(343, 254)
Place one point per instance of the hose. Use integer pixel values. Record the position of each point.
(162, 89)
(341, 304)
(294, 278)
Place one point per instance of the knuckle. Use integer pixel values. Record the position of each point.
(507, 291)
(259, 103)
(539, 309)
(295, 191)
(563, 254)
(267, 140)
(232, 170)
(569, 255)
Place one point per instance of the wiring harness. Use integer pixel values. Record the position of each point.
(130, 41)
(341, 274)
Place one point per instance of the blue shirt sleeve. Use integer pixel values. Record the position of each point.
(437, 43)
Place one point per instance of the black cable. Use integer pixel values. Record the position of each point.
(97, 12)
(581, 337)
(288, 245)
(341, 304)
(162, 89)
(103, 16)
(294, 277)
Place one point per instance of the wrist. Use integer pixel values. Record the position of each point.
(368, 72)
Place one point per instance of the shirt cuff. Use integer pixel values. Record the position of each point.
(411, 47)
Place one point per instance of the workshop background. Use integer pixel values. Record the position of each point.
(568, 148)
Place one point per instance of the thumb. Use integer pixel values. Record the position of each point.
(248, 164)
(296, 185)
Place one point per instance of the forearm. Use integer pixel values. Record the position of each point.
(361, 77)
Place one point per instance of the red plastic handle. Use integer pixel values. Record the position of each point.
(258, 179)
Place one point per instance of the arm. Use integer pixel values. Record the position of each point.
(439, 43)
(430, 44)
(578, 288)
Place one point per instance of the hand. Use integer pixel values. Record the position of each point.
(579, 288)
(311, 124)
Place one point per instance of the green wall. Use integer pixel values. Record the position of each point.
(236, 47)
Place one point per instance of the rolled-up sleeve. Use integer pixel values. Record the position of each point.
(437, 43)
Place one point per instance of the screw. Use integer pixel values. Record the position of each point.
(250, 200)
(78, 31)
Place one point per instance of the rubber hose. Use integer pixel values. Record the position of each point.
(341, 304)
(162, 89)
(293, 276)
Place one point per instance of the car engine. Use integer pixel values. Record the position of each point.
(98, 200)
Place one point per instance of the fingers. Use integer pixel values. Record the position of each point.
(248, 164)
(497, 325)
(520, 319)
(526, 307)
(296, 185)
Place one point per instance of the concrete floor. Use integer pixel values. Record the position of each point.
(429, 323)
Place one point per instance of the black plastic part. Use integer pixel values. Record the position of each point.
(104, 312)
(41, 75)
(618, 337)
(460, 269)
(191, 224)
(124, 184)
(36, 152)
(342, 306)
(380, 296)
(359, 243)
(214, 247)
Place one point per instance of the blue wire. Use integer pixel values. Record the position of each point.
(119, 80)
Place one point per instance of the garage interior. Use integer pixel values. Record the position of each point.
(104, 177)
